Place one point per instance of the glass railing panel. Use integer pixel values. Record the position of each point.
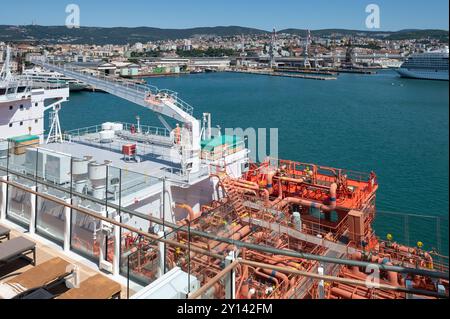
(140, 256)
(50, 216)
(85, 229)
(19, 201)
(4, 146)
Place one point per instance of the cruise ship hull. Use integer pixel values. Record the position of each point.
(423, 74)
(74, 87)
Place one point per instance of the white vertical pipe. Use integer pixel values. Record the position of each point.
(67, 222)
(296, 218)
(116, 257)
(101, 237)
(4, 199)
(208, 135)
(161, 248)
(32, 227)
(409, 285)
(321, 286)
(230, 278)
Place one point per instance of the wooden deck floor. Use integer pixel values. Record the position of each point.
(46, 252)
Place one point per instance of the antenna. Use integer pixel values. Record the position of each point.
(306, 63)
(5, 74)
(272, 47)
(55, 134)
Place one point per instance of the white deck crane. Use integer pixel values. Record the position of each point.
(5, 73)
(162, 102)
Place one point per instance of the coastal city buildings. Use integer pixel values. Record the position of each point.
(211, 52)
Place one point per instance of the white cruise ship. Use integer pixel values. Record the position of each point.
(22, 106)
(431, 65)
(40, 76)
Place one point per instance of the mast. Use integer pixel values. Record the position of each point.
(306, 63)
(5, 74)
(272, 48)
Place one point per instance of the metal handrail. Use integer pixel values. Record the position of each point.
(145, 129)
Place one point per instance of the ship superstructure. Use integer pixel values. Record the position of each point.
(40, 76)
(22, 105)
(432, 65)
(183, 212)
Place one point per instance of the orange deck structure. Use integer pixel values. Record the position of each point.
(335, 209)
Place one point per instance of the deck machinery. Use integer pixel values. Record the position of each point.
(305, 208)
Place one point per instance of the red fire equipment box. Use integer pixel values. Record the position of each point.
(129, 149)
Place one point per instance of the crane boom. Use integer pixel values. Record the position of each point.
(163, 102)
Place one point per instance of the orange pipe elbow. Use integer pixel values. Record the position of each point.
(191, 214)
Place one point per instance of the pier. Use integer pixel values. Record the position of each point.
(357, 71)
(288, 75)
(156, 75)
(306, 71)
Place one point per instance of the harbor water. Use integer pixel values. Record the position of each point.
(399, 128)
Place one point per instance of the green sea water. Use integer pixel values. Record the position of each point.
(397, 127)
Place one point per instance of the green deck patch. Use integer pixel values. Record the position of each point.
(209, 145)
(23, 138)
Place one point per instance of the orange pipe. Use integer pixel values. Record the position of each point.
(191, 214)
(413, 251)
(243, 181)
(247, 190)
(289, 179)
(268, 277)
(280, 276)
(243, 292)
(244, 231)
(392, 276)
(345, 294)
(270, 181)
(244, 276)
(253, 187)
(212, 244)
(309, 203)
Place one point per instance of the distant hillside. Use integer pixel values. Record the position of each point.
(420, 34)
(391, 35)
(330, 32)
(120, 35)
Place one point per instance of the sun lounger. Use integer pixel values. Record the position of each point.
(4, 233)
(44, 275)
(95, 287)
(16, 248)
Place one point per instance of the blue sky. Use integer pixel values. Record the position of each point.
(263, 14)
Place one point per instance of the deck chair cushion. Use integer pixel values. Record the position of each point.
(14, 247)
(4, 231)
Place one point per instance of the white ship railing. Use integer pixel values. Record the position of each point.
(144, 129)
